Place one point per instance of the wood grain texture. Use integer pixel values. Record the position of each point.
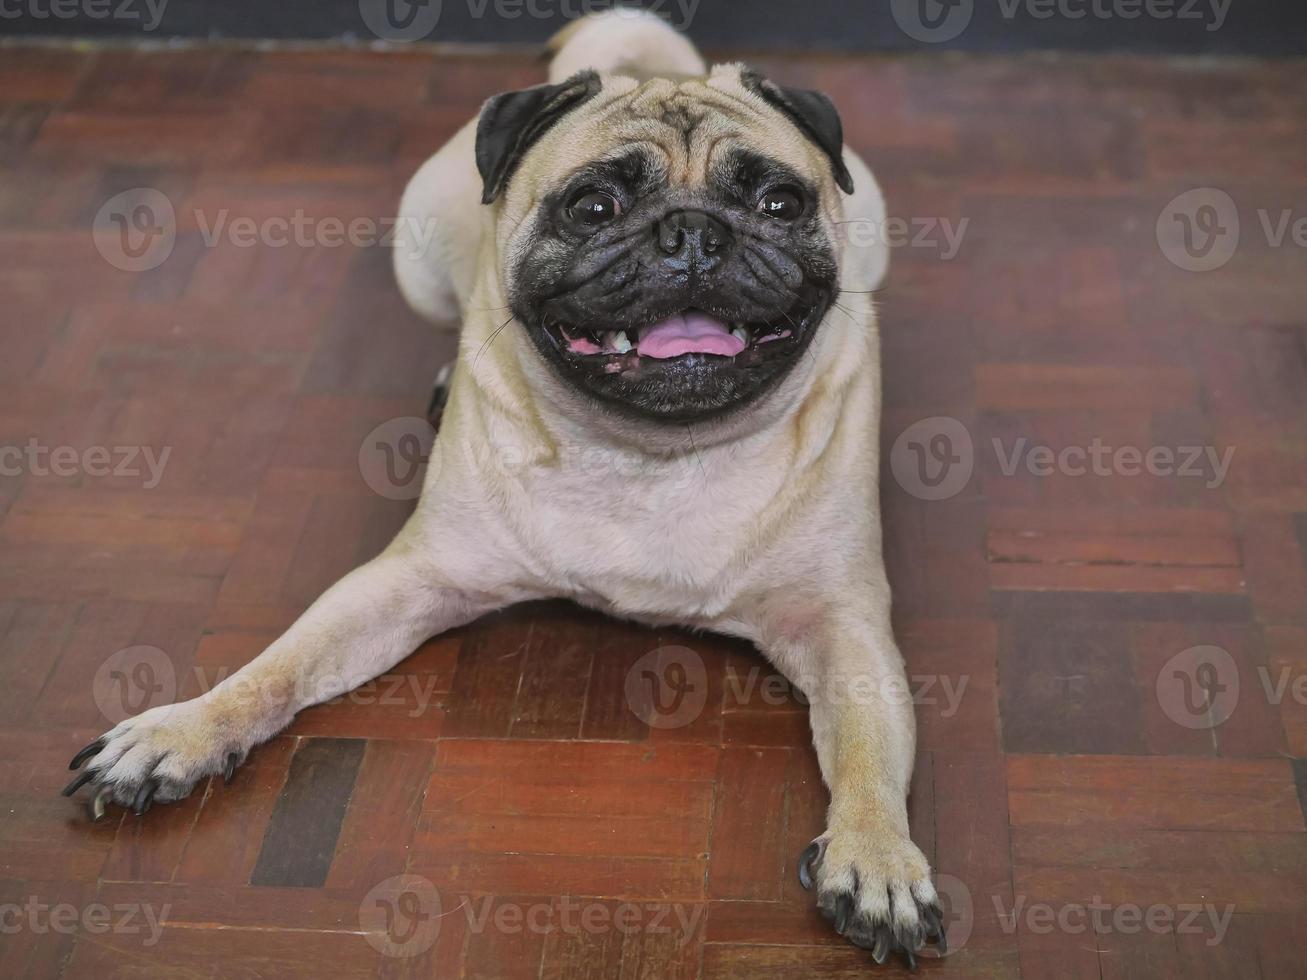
(303, 830)
(494, 808)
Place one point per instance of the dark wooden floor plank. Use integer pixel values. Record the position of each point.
(305, 824)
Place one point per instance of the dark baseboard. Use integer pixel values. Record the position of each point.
(1182, 27)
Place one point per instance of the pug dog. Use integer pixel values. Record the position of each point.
(648, 259)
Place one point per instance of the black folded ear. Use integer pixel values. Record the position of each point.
(813, 113)
(510, 123)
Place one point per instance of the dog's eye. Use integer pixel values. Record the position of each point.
(782, 203)
(593, 208)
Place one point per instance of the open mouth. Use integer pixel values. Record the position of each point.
(691, 334)
(682, 364)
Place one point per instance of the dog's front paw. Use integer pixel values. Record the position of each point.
(159, 756)
(875, 886)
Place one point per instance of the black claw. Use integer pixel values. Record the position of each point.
(880, 951)
(808, 862)
(144, 797)
(885, 935)
(843, 912)
(80, 780)
(910, 939)
(933, 919)
(86, 753)
(229, 769)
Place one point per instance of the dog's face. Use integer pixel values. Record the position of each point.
(667, 247)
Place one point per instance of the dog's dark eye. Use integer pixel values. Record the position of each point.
(782, 203)
(593, 208)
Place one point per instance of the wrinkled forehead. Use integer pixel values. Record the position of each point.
(685, 127)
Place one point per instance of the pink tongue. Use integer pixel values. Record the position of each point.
(689, 333)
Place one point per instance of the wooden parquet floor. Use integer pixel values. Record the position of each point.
(1110, 663)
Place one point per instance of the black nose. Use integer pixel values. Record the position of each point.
(693, 238)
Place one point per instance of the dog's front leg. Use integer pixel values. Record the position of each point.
(360, 627)
(871, 880)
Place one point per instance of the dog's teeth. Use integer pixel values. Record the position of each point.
(617, 340)
(741, 331)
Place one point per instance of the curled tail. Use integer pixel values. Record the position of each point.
(623, 41)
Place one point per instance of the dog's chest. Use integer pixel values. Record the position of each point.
(649, 537)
